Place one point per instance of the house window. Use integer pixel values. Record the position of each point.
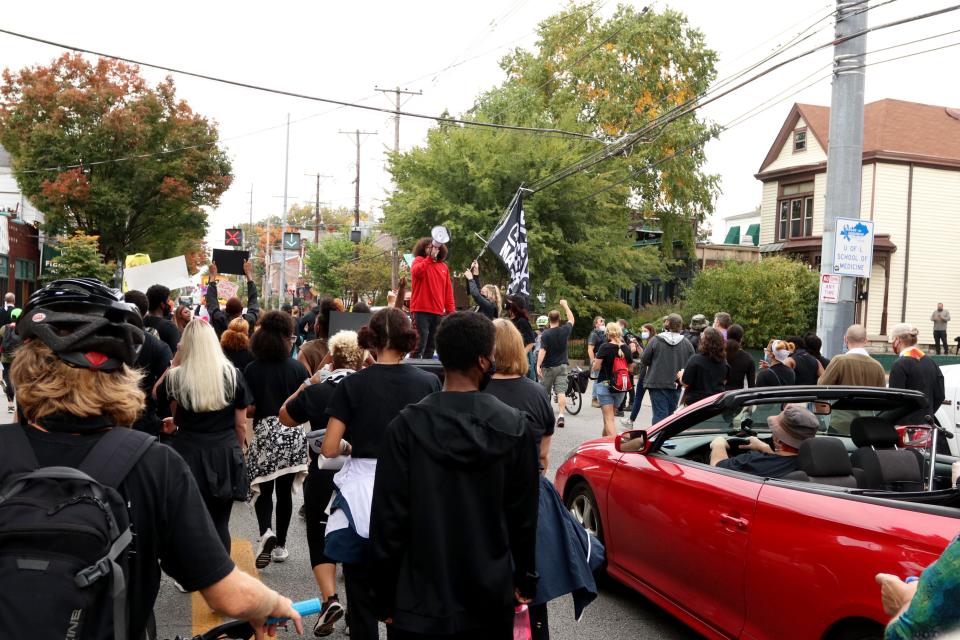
(795, 211)
(800, 140)
(25, 270)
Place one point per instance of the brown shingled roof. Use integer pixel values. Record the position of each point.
(892, 129)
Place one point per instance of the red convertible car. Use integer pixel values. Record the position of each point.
(740, 556)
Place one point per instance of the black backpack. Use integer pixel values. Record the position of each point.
(10, 340)
(64, 534)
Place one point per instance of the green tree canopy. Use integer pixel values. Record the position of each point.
(340, 268)
(770, 299)
(79, 258)
(64, 124)
(591, 76)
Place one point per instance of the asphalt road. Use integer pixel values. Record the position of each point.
(617, 613)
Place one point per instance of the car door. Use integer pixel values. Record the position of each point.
(682, 528)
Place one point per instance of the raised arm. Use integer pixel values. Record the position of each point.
(253, 299)
(566, 309)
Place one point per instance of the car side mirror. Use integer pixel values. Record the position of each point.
(635, 441)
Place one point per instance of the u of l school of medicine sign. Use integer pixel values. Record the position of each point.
(853, 248)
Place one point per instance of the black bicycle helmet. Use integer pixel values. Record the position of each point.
(85, 323)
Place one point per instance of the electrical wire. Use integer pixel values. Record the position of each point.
(624, 144)
(294, 94)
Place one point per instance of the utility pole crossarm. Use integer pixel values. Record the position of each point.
(396, 118)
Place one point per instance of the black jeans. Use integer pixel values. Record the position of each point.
(427, 324)
(264, 506)
(360, 617)
(500, 627)
(940, 335)
(316, 495)
(220, 510)
(6, 381)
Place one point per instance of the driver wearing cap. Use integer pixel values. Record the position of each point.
(790, 428)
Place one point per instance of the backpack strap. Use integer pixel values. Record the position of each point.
(18, 455)
(115, 454)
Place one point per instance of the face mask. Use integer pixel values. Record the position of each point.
(487, 375)
(645, 335)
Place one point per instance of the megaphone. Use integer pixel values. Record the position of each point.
(440, 235)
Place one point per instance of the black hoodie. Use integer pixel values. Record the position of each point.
(454, 517)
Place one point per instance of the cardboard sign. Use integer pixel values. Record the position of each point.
(171, 273)
(343, 321)
(229, 261)
(227, 289)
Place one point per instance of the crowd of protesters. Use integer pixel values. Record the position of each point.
(406, 471)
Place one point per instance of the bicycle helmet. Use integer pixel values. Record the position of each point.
(542, 322)
(85, 323)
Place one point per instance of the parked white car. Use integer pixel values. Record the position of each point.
(948, 415)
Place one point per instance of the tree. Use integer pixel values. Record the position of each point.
(340, 268)
(323, 260)
(79, 258)
(595, 77)
(773, 298)
(98, 150)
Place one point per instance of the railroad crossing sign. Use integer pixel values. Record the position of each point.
(233, 237)
(291, 240)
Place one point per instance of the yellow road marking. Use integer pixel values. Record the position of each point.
(203, 617)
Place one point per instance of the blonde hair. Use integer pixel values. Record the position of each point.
(47, 385)
(508, 349)
(614, 331)
(237, 335)
(204, 380)
(492, 288)
(345, 351)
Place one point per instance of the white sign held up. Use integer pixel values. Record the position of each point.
(853, 248)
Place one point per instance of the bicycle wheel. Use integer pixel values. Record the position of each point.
(574, 401)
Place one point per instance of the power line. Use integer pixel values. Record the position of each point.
(293, 94)
(627, 141)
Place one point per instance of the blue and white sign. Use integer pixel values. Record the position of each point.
(853, 248)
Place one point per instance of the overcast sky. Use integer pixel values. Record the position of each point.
(449, 50)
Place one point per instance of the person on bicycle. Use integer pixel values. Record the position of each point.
(553, 363)
(75, 383)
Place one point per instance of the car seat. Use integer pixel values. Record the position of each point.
(825, 461)
(885, 467)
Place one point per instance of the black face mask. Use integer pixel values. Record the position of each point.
(487, 375)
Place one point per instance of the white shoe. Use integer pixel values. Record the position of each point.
(268, 542)
(627, 423)
(279, 554)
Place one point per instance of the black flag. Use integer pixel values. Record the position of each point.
(509, 242)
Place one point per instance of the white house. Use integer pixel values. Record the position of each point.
(910, 189)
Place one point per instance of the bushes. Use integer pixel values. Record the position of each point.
(770, 299)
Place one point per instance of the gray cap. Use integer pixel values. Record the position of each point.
(794, 425)
(698, 322)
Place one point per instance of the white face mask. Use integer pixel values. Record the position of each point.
(645, 335)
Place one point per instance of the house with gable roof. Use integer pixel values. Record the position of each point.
(910, 190)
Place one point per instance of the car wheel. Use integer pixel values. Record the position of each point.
(583, 507)
(856, 630)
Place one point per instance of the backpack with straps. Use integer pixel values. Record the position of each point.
(620, 378)
(10, 340)
(64, 536)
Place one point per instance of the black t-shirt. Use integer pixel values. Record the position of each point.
(239, 357)
(608, 352)
(742, 369)
(597, 337)
(526, 331)
(152, 361)
(172, 529)
(166, 330)
(767, 465)
(554, 341)
(775, 376)
(271, 383)
(526, 395)
(805, 371)
(207, 421)
(306, 326)
(311, 405)
(368, 400)
(703, 377)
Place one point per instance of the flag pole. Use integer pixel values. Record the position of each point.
(513, 201)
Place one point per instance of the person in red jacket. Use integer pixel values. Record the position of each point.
(431, 292)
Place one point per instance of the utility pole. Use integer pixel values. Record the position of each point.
(356, 205)
(396, 118)
(283, 221)
(318, 218)
(250, 228)
(844, 164)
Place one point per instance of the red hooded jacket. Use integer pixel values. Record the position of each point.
(432, 290)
